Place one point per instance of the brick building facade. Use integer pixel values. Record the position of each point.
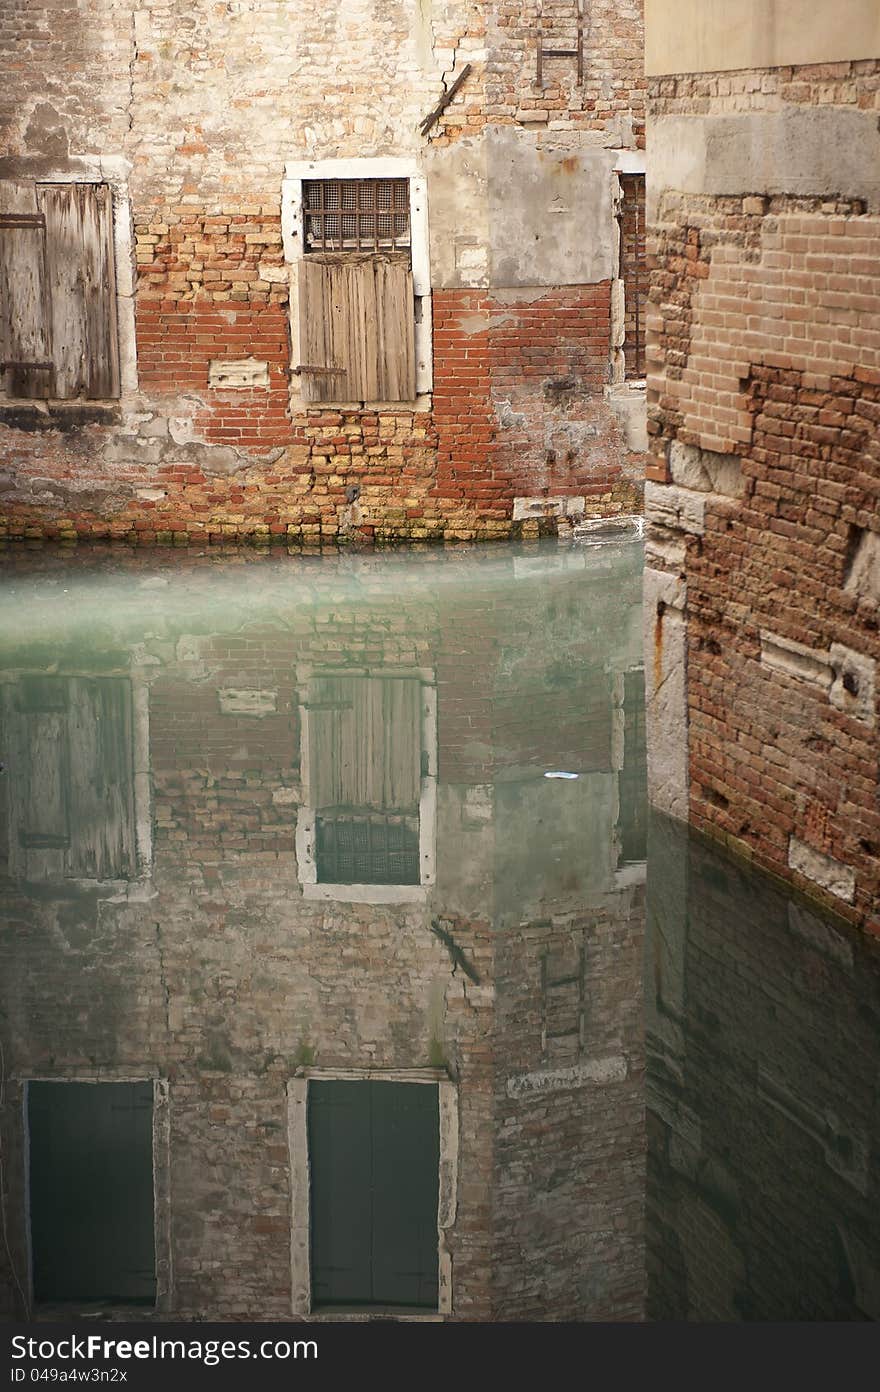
(762, 505)
(186, 404)
(195, 935)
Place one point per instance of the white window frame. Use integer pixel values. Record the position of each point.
(293, 239)
(307, 865)
(300, 1183)
(112, 170)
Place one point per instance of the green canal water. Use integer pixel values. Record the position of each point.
(343, 969)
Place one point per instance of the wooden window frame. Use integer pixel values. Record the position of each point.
(295, 252)
(112, 171)
(307, 814)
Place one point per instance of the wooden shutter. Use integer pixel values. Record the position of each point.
(25, 316)
(91, 1191)
(374, 1160)
(365, 743)
(72, 798)
(357, 335)
(82, 289)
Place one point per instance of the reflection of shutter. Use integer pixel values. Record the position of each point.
(91, 1191)
(356, 319)
(365, 743)
(25, 316)
(71, 778)
(79, 237)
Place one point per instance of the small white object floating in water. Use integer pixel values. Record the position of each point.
(557, 773)
(599, 531)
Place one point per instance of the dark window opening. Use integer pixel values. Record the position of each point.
(91, 1192)
(374, 1157)
(632, 823)
(633, 271)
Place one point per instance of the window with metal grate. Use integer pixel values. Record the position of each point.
(356, 214)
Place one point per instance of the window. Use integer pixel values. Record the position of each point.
(58, 325)
(368, 758)
(374, 1161)
(90, 1184)
(632, 825)
(356, 214)
(356, 232)
(71, 784)
(633, 272)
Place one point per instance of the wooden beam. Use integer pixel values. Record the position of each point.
(434, 116)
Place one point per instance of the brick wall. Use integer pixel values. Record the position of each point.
(208, 114)
(763, 379)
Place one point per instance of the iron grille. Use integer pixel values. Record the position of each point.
(356, 214)
(633, 271)
(368, 848)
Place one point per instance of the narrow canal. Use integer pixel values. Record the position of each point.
(328, 980)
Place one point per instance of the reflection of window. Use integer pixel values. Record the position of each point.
(58, 331)
(633, 792)
(374, 1156)
(365, 766)
(365, 828)
(90, 1148)
(70, 778)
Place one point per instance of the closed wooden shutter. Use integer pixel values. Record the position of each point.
(357, 335)
(25, 316)
(82, 289)
(91, 1191)
(70, 771)
(365, 743)
(374, 1160)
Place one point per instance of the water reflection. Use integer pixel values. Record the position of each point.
(322, 962)
(763, 1054)
(294, 918)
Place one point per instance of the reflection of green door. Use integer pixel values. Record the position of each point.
(91, 1191)
(374, 1151)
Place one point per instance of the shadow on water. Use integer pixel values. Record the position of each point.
(322, 991)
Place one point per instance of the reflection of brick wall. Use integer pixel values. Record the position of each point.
(762, 1199)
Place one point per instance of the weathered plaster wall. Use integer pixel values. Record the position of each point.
(764, 334)
(204, 110)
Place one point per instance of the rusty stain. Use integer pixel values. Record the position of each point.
(569, 165)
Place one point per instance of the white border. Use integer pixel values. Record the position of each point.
(307, 869)
(293, 240)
